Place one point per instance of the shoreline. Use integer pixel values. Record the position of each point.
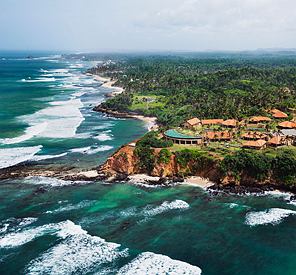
(28, 169)
(151, 122)
(108, 83)
(199, 182)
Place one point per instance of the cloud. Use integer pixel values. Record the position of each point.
(221, 15)
(144, 25)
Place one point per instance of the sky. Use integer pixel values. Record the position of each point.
(147, 25)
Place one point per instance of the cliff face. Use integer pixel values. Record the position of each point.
(124, 161)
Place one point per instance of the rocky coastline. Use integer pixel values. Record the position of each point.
(123, 166)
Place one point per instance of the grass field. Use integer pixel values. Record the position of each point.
(141, 102)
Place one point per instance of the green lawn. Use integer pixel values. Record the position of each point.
(141, 102)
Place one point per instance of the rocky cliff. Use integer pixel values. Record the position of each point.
(125, 162)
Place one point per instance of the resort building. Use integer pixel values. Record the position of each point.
(287, 125)
(260, 119)
(278, 114)
(179, 138)
(206, 122)
(218, 136)
(276, 141)
(254, 144)
(253, 135)
(191, 123)
(231, 123)
(290, 136)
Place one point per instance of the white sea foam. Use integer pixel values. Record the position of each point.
(13, 156)
(4, 228)
(76, 66)
(91, 150)
(27, 221)
(233, 205)
(284, 195)
(82, 150)
(29, 133)
(44, 157)
(14, 224)
(103, 126)
(55, 71)
(149, 263)
(40, 79)
(62, 119)
(53, 182)
(279, 194)
(99, 149)
(48, 58)
(78, 94)
(78, 253)
(21, 237)
(104, 136)
(71, 207)
(271, 216)
(164, 207)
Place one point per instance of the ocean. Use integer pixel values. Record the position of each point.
(52, 226)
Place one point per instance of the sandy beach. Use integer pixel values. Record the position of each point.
(198, 181)
(108, 83)
(150, 122)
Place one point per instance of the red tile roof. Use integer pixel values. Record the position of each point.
(230, 123)
(260, 119)
(287, 124)
(193, 121)
(211, 121)
(253, 135)
(254, 143)
(222, 135)
(278, 114)
(276, 140)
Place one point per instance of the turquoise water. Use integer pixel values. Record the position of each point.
(46, 110)
(50, 226)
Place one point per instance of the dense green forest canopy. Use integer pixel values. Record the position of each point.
(175, 88)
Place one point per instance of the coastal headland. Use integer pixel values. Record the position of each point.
(241, 151)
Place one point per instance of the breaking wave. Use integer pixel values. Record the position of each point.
(52, 182)
(29, 133)
(164, 207)
(13, 224)
(150, 263)
(14, 156)
(104, 136)
(41, 79)
(271, 216)
(44, 157)
(90, 151)
(78, 252)
(71, 207)
(62, 119)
